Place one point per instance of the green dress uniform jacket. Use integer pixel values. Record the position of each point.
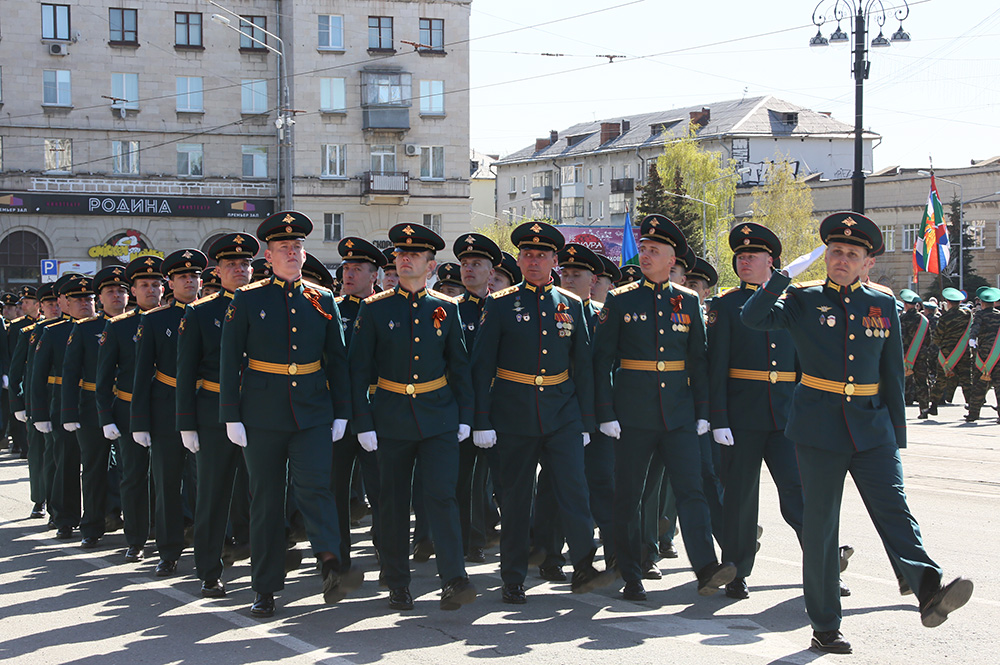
(199, 348)
(153, 393)
(349, 306)
(470, 307)
(116, 365)
(535, 332)
(17, 372)
(79, 386)
(46, 395)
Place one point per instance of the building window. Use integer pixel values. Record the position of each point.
(187, 29)
(189, 159)
(432, 98)
(627, 171)
(590, 209)
(253, 26)
(433, 222)
(333, 226)
(640, 174)
(909, 237)
(888, 236)
(56, 87)
(386, 89)
(254, 95)
(331, 32)
(383, 158)
(600, 175)
(255, 161)
(189, 95)
(59, 155)
(513, 185)
(21, 256)
(600, 209)
(617, 204)
(125, 157)
(124, 25)
(590, 176)
(541, 210)
(432, 162)
(125, 90)
(976, 230)
(380, 33)
(55, 22)
(432, 34)
(572, 207)
(524, 183)
(334, 160)
(332, 95)
(541, 179)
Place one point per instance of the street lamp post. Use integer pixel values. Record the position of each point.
(859, 12)
(285, 121)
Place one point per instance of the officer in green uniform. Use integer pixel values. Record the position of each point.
(984, 337)
(28, 304)
(79, 405)
(314, 271)
(609, 276)
(408, 342)
(847, 415)
(203, 435)
(211, 282)
(954, 361)
(916, 334)
(652, 377)
(630, 273)
(505, 274)
(261, 269)
(389, 277)
(534, 384)
(114, 382)
(449, 280)
(287, 407)
(153, 410)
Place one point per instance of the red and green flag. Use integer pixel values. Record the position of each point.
(931, 251)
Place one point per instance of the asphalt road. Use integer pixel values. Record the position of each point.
(61, 604)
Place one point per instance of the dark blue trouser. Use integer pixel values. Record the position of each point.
(347, 455)
(65, 500)
(167, 460)
(95, 451)
(218, 461)
(134, 460)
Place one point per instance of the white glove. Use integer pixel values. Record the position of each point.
(44, 427)
(21, 415)
(237, 433)
(973, 343)
(586, 439)
(190, 440)
(339, 427)
(368, 441)
(142, 438)
(701, 427)
(71, 427)
(6, 383)
(612, 429)
(484, 438)
(463, 432)
(112, 432)
(723, 436)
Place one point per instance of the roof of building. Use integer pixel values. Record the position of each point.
(748, 117)
(479, 165)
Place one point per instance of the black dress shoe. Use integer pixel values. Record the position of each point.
(263, 605)
(738, 589)
(457, 592)
(536, 557)
(38, 510)
(213, 589)
(634, 591)
(166, 568)
(237, 552)
(668, 551)
(845, 590)
(293, 559)
(651, 572)
(904, 587)
(933, 410)
(336, 583)
(359, 510)
(400, 599)
(476, 555)
(846, 552)
(64, 532)
(90, 542)
(587, 579)
(552, 573)
(713, 576)
(134, 554)
(112, 523)
(513, 594)
(946, 599)
(423, 550)
(830, 641)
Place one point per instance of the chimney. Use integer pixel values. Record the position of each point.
(626, 125)
(553, 137)
(609, 131)
(701, 118)
(541, 144)
(826, 113)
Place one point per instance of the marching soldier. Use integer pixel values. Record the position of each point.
(261, 269)
(532, 371)
(287, 407)
(505, 274)
(449, 280)
(28, 304)
(915, 327)
(984, 338)
(848, 416)
(389, 277)
(314, 271)
(408, 341)
(197, 400)
(606, 280)
(659, 391)
(211, 282)
(954, 361)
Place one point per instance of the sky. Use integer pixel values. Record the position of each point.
(937, 97)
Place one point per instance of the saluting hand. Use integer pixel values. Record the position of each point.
(723, 436)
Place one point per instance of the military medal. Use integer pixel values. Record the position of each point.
(642, 317)
(218, 324)
(262, 315)
(168, 332)
(392, 325)
(439, 316)
(831, 320)
(628, 318)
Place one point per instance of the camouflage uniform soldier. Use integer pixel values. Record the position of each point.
(984, 338)
(915, 329)
(954, 361)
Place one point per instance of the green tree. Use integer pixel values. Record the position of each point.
(652, 199)
(684, 212)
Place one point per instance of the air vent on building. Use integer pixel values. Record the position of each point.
(412, 149)
(58, 49)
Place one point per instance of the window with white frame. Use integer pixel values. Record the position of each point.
(331, 32)
(572, 174)
(125, 90)
(380, 88)
(432, 34)
(334, 160)
(432, 98)
(380, 33)
(59, 155)
(254, 161)
(433, 222)
(613, 171)
(189, 94)
(253, 26)
(383, 158)
(333, 226)
(123, 25)
(627, 171)
(590, 176)
(909, 236)
(513, 185)
(541, 209)
(640, 175)
(56, 87)
(976, 232)
(590, 209)
(432, 162)
(187, 29)
(572, 207)
(55, 21)
(332, 95)
(600, 175)
(600, 209)
(889, 237)
(190, 158)
(524, 183)
(254, 95)
(125, 157)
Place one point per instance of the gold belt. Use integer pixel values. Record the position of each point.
(532, 379)
(288, 370)
(210, 386)
(89, 387)
(653, 365)
(123, 396)
(166, 379)
(412, 388)
(860, 389)
(762, 375)
(56, 380)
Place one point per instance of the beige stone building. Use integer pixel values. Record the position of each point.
(135, 126)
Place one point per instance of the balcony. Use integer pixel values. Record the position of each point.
(393, 118)
(623, 185)
(386, 187)
(543, 193)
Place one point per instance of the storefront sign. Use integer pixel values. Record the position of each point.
(123, 247)
(26, 203)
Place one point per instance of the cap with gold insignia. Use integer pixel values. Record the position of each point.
(753, 237)
(413, 237)
(8, 299)
(47, 292)
(449, 273)
(851, 228)
(261, 269)
(234, 246)
(609, 269)
(314, 270)
(575, 255)
(508, 266)
(284, 225)
(390, 258)
(537, 235)
(28, 292)
(144, 266)
(704, 270)
(687, 259)
(630, 273)
(211, 278)
(476, 244)
(661, 229)
(358, 250)
(183, 261)
(110, 276)
(61, 282)
(78, 286)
